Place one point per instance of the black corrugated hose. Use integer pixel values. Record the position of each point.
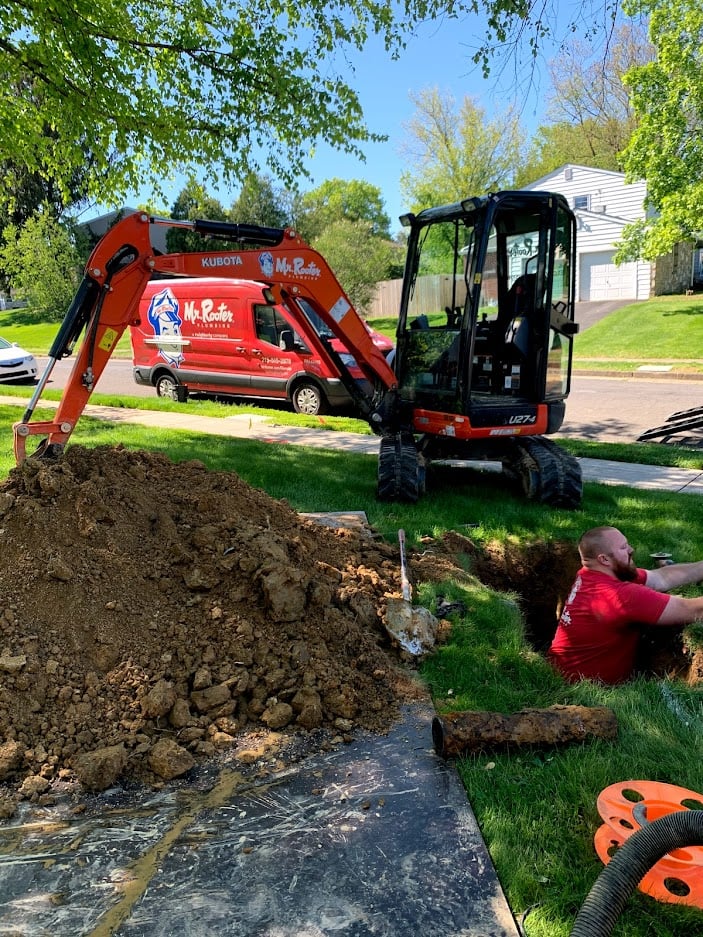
(628, 867)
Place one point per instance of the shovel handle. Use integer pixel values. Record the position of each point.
(404, 581)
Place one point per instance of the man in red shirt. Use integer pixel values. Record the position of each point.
(598, 634)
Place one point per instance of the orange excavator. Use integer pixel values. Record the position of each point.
(482, 363)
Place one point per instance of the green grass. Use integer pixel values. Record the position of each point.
(660, 330)
(16, 325)
(197, 406)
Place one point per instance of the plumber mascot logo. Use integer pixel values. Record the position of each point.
(266, 264)
(166, 323)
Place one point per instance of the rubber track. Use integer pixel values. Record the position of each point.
(399, 475)
(548, 473)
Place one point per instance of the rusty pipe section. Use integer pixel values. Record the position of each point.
(461, 733)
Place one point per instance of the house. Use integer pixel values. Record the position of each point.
(604, 203)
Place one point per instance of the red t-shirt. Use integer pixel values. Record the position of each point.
(597, 634)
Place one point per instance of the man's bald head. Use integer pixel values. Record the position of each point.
(606, 549)
(596, 541)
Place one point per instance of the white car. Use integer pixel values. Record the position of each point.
(16, 364)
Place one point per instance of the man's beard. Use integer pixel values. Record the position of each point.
(625, 572)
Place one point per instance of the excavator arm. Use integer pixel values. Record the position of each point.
(122, 264)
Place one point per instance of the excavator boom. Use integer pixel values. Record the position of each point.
(122, 264)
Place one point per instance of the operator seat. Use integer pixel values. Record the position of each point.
(517, 341)
(520, 300)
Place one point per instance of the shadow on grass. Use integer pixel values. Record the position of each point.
(25, 316)
(684, 312)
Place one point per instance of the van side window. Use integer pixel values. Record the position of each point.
(265, 321)
(269, 324)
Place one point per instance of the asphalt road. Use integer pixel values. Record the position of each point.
(605, 408)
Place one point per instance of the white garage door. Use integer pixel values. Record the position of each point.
(600, 279)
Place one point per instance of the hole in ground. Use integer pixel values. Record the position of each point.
(541, 575)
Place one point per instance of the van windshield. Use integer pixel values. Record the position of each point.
(316, 322)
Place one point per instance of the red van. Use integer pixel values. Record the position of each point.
(220, 336)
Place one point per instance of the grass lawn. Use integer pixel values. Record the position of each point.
(37, 337)
(536, 809)
(660, 329)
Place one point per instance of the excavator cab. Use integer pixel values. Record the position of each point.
(484, 339)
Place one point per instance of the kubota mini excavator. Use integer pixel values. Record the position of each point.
(483, 355)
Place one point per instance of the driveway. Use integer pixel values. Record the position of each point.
(587, 314)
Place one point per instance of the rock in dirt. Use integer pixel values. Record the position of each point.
(100, 769)
(169, 760)
(143, 600)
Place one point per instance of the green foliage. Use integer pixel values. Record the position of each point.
(178, 85)
(25, 192)
(260, 202)
(456, 152)
(42, 262)
(666, 149)
(193, 203)
(341, 200)
(358, 258)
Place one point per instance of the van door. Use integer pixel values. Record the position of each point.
(272, 366)
(219, 357)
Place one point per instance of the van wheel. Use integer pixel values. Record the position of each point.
(166, 386)
(307, 398)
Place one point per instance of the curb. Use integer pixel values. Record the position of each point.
(639, 375)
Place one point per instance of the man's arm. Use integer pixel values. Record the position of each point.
(666, 578)
(680, 611)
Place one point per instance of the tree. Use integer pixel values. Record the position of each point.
(42, 262)
(456, 152)
(358, 258)
(339, 199)
(193, 203)
(260, 202)
(666, 149)
(174, 85)
(591, 118)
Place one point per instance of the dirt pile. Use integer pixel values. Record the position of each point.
(151, 611)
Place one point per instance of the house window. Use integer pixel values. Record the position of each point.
(582, 202)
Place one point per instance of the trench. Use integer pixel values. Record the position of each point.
(541, 574)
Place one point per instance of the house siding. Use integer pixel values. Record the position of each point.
(611, 204)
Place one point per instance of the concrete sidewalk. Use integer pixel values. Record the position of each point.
(263, 429)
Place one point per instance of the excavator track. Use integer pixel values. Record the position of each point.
(401, 471)
(546, 472)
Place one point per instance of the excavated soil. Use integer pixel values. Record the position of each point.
(150, 612)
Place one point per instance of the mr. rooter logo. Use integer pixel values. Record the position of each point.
(288, 266)
(164, 317)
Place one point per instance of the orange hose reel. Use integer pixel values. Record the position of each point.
(626, 807)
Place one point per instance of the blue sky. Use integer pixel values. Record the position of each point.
(439, 56)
